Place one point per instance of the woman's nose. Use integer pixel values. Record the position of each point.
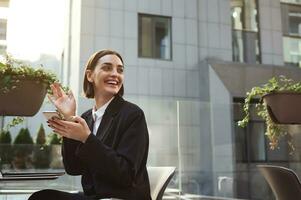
(114, 71)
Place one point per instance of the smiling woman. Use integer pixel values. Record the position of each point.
(108, 144)
(104, 76)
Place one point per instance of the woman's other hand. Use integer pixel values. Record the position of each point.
(65, 103)
(76, 129)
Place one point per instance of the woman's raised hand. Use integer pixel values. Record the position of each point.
(64, 102)
(76, 129)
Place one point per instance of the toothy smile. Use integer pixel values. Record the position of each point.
(112, 82)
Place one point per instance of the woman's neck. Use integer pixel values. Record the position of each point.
(101, 100)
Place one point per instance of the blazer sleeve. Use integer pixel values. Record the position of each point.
(71, 162)
(119, 166)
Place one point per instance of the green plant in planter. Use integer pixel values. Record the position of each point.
(16, 75)
(41, 158)
(23, 145)
(13, 71)
(5, 148)
(275, 84)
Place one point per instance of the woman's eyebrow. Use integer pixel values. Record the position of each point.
(108, 63)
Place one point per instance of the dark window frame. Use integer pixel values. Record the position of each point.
(153, 56)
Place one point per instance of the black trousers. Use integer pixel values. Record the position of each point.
(58, 195)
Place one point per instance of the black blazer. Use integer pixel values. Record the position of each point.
(112, 163)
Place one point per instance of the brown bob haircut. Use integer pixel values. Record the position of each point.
(91, 64)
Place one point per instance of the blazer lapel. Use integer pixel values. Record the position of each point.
(104, 126)
(108, 117)
(90, 121)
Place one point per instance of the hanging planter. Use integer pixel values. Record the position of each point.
(24, 100)
(22, 88)
(280, 104)
(284, 107)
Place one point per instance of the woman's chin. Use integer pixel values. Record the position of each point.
(111, 92)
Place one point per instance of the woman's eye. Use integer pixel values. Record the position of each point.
(106, 68)
(120, 70)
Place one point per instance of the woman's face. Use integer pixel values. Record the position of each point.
(107, 77)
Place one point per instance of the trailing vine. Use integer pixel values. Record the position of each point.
(273, 131)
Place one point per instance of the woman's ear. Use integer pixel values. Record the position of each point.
(89, 75)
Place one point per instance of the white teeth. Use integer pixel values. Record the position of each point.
(112, 82)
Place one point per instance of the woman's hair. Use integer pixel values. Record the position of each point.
(91, 64)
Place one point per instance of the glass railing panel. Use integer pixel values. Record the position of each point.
(34, 158)
(195, 148)
(196, 138)
(162, 120)
(16, 157)
(214, 158)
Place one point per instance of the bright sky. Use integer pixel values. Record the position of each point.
(36, 27)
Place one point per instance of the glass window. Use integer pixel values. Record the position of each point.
(291, 26)
(245, 37)
(154, 36)
(3, 26)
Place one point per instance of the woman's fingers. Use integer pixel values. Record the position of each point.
(57, 90)
(56, 125)
(64, 122)
(79, 120)
(70, 95)
(62, 125)
(54, 90)
(60, 133)
(76, 129)
(60, 91)
(59, 129)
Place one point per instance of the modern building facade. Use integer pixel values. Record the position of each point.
(189, 64)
